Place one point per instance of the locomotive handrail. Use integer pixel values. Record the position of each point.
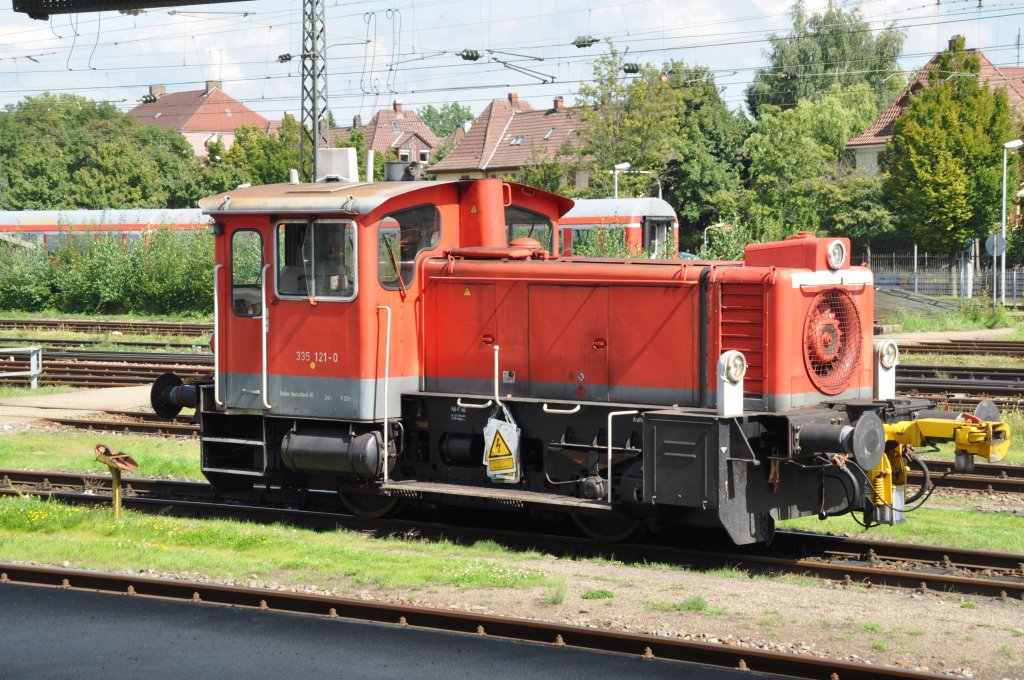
(387, 373)
(562, 411)
(265, 323)
(610, 416)
(497, 349)
(216, 336)
(486, 404)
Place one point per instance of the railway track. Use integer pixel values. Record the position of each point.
(840, 559)
(1007, 348)
(51, 344)
(133, 422)
(95, 326)
(960, 380)
(468, 623)
(100, 368)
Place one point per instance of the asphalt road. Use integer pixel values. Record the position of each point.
(54, 634)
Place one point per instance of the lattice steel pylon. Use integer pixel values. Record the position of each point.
(313, 126)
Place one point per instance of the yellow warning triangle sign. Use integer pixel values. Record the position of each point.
(472, 210)
(466, 294)
(499, 449)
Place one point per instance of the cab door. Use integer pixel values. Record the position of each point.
(241, 317)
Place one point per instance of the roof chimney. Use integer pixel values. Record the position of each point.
(954, 40)
(513, 98)
(397, 106)
(212, 85)
(157, 90)
(559, 103)
(357, 121)
(466, 124)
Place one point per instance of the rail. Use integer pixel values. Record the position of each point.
(35, 363)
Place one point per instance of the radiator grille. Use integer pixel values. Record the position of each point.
(832, 340)
(743, 329)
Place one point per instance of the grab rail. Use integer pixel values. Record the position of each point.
(610, 416)
(216, 336)
(562, 411)
(387, 394)
(265, 322)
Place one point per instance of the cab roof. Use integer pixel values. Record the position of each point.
(350, 198)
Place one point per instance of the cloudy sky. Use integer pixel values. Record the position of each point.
(406, 49)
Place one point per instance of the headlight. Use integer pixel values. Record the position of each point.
(888, 354)
(735, 366)
(836, 254)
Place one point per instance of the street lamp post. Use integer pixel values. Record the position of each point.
(1011, 145)
(616, 169)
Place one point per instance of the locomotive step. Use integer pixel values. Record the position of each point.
(493, 493)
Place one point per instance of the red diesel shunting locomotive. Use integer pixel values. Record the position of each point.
(389, 341)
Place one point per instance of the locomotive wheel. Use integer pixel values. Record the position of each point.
(369, 506)
(607, 529)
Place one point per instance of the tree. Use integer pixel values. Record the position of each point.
(795, 154)
(262, 157)
(444, 120)
(627, 121)
(544, 172)
(706, 158)
(944, 163)
(835, 47)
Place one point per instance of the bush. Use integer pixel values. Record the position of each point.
(25, 280)
(164, 272)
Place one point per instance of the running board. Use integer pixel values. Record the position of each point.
(515, 496)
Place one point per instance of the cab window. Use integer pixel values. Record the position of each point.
(316, 259)
(246, 270)
(523, 223)
(401, 236)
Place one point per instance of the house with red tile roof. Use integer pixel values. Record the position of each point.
(869, 145)
(392, 129)
(202, 116)
(507, 136)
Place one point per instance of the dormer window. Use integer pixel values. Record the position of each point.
(395, 127)
(550, 134)
(227, 112)
(517, 140)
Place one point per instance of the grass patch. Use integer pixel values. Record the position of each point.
(868, 627)
(728, 571)
(50, 532)
(934, 526)
(556, 593)
(600, 594)
(107, 340)
(958, 360)
(695, 604)
(1006, 652)
(879, 646)
(11, 391)
(967, 604)
(55, 314)
(156, 456)
(969, 314)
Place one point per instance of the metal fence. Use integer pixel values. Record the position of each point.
(957, 275)
(35, 363)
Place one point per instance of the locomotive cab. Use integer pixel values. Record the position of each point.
(425, 341)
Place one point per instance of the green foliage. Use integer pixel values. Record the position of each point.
(265, 158)
(944, 163)
(25, 279)
(600, 594)
(610, 241)
(357, 141)
(443, 121)
(832, 48)
(795, 158)
(104, 275)
(544, 172)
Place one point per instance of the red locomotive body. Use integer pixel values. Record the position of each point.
(390, 342)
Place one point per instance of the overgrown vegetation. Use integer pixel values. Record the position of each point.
(166, 272)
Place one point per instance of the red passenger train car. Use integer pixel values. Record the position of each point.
(388, 341)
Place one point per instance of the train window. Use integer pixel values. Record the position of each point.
(316, 260)
(523, 223)
(401, 236)
(246, 269)
(657, 234)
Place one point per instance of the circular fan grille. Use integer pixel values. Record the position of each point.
(832, 340)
